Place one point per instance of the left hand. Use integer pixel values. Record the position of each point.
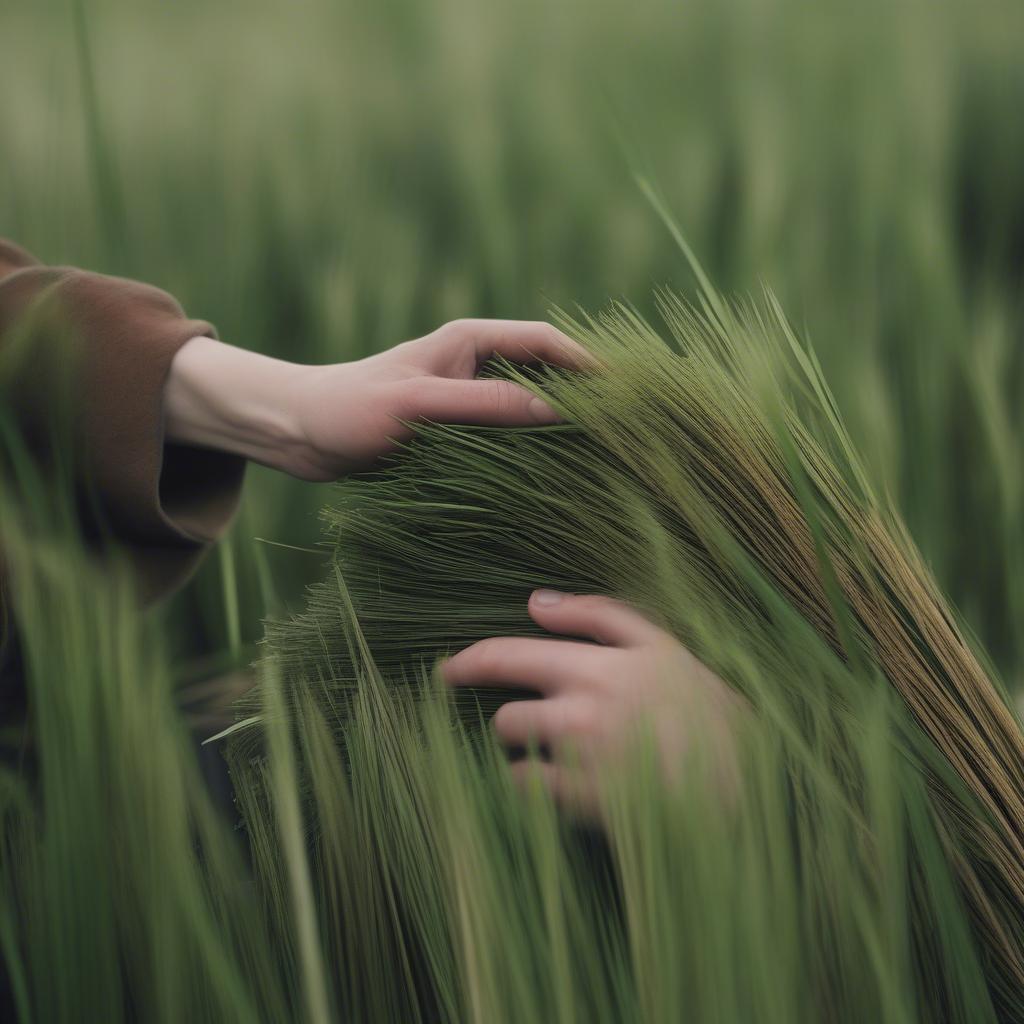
(598, 698)
(323, 422)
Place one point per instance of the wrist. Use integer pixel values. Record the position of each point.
(232, 400)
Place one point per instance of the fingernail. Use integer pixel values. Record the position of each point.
(541, 411)
(547, 596)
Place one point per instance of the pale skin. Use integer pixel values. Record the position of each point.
(621, 675)
(621, 680)
(323, 422)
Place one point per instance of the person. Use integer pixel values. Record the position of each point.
(166, 416)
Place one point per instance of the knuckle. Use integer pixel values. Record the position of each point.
(503, 396)
(460, 328)
(579, 719)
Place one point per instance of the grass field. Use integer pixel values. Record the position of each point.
(325, 179)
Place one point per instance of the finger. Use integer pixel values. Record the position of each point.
(527, 341)
(566, 786)
(595, 617)
(547, 666)
(544, 723)
(493, 403)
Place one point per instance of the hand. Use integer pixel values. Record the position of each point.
(599, 698)
(322, 422)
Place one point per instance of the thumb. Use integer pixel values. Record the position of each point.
(595, 617)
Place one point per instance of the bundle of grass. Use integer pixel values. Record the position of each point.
(874, 865)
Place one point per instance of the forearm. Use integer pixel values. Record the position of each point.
(232, 400)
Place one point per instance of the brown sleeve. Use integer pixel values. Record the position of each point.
(101, 348)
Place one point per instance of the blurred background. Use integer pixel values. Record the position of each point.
(325, 178)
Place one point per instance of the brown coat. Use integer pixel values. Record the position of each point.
(162, 503)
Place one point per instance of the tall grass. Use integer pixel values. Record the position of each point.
(716, 487)
(869, 867)
(324, 182)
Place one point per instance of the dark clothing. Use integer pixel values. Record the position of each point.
(115, 340)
